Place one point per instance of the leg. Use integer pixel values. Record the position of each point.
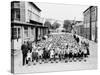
(23, 59)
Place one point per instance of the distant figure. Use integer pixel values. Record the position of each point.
(24, 49)
(76, 38)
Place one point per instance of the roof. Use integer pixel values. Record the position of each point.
(35, 22)
(35, 6)
(15, 1)
(26, 24)
(87, 9)
(29, 2)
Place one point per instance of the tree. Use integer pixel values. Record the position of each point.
(47, 24)
(55, 25)
(67, 25)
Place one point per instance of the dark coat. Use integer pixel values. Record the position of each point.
(24, 49)
(30, 47)
(34, 55)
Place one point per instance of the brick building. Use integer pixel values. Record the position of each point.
(25, 23)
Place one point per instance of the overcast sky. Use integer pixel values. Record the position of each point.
(62, 11)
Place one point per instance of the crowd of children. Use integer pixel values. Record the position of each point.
(58, 48)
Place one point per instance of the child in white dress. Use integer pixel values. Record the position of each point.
(29, 57)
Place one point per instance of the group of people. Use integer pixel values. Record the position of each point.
(56, 48)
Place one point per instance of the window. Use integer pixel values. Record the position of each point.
(15, 33)
(39, 31)
(19, 33)
(33, 31)
(17, 14)
(26, 31)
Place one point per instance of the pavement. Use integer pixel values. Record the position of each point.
(91, 63)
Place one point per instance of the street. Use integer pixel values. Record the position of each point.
(91, 63)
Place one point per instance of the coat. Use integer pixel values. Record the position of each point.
(24, 49)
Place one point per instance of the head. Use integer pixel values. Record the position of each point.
(44, 48)
(53, 49)
(25, 42)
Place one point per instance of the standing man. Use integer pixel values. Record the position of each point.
(24, 49)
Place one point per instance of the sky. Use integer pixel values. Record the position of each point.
(62, 11)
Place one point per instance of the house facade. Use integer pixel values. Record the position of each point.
(26, 23)
(79, 28)
(90, 23)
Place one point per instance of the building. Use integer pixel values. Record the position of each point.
(78, 28)
(25, 23)
(90, 23)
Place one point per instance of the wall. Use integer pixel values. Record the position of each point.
(31, 13)
(22, 11)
